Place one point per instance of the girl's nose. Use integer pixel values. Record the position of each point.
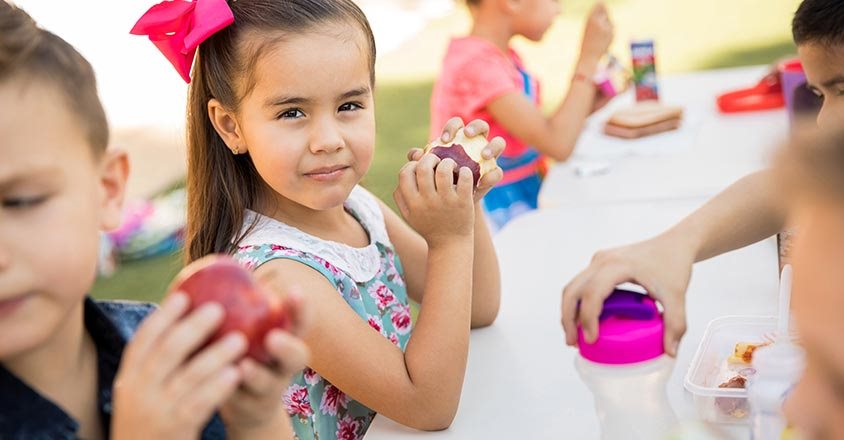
(326, 136)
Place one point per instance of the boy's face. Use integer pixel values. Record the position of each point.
(55, 197)
(817, 403)
(824, 68)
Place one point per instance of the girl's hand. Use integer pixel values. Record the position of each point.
(492, 150)
(256, 407)
(164, 387)
(597, 34)
(432, 204)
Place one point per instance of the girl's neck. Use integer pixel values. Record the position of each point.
(496, 31)
(69, 346)
(334, 224)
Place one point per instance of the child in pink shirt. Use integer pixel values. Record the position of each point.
(483, 78)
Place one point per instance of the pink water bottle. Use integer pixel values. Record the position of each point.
(627, 369)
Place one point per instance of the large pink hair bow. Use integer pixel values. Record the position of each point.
(177, 27)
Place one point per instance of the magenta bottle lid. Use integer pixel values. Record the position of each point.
(630, 330)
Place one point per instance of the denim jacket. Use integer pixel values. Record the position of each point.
(25, 414)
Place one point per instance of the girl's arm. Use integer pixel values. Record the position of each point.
(413, 252)
(557, 135)
(412, 249)
(421, 387)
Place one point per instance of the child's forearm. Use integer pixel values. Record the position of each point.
(438, 350)
(486, 279)
(568, 121)
(748, 211)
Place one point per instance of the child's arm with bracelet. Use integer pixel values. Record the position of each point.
(750, 210)
(556, 136)
(486, 280)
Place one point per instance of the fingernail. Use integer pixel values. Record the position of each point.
(469, 131)
(487, 153)
(177, 300)
(445, 137)
(230, 374)
(212, 311)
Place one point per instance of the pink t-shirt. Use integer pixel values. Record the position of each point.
(474, 73)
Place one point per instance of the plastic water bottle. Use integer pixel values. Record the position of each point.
(778, 368)
(626, 369)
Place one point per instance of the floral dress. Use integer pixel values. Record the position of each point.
(370, 280)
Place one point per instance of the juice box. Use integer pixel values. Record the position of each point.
(644, 69)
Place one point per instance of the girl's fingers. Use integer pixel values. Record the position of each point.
(451, 128)
(445, 177)
(494, 148)
(476, 128)
(415, 154)
(425, 175)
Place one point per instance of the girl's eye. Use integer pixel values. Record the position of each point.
(23, 202)
(291, 114)
(350, 106)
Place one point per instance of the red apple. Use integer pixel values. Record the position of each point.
(249, 308)
(466, 152)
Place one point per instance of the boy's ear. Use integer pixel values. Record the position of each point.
(114, 172)
(226, 125)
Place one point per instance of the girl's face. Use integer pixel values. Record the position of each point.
(534, 17)
(55, 197)
(309, 122)
(817, 403)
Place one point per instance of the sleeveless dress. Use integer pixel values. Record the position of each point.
(369, 279)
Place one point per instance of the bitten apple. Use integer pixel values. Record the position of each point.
(249, 308)
(466, 152)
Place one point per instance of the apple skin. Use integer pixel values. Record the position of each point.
(456, 153)
(249, 308)
(465, 152)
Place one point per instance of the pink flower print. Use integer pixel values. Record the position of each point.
(382, 295)
(311, 376)
(375, 323)
(332, 399)
(347, 429)
(296, 401)
(331, 268)
(394, 338)
(401, 318)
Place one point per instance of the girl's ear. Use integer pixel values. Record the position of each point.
(226, 125)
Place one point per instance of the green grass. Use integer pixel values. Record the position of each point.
(689, 34)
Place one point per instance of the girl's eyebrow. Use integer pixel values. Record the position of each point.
(286, 100)
(299, 100)
(355, 93)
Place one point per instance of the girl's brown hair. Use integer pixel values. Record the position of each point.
(33, 54)
(220, 185)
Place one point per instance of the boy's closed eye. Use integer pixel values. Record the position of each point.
(24, 202)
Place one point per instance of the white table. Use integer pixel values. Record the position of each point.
(708, 153)
(521, 382)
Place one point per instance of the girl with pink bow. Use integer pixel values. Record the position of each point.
(281, 131)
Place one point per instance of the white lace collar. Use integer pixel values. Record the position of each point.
(362, 264)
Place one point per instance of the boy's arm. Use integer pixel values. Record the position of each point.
(748, 211)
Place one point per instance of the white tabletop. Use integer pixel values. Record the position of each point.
(521, 381)
(709, 151)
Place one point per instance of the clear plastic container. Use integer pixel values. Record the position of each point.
(710, 367)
